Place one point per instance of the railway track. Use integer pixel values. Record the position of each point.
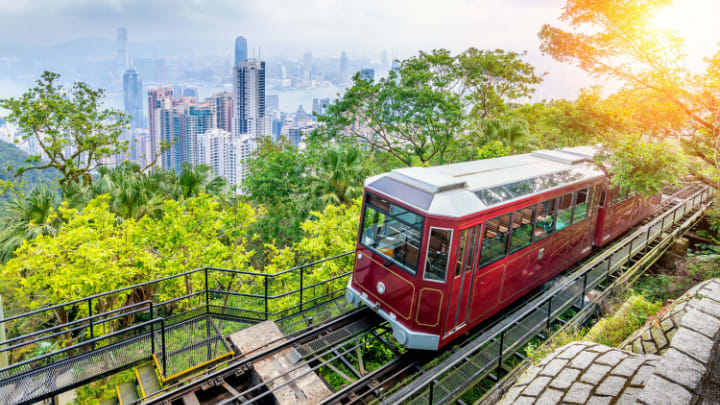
(486, 354)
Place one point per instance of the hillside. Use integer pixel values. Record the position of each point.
(10, 155)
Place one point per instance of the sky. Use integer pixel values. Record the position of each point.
(326, 27)
(320, 26)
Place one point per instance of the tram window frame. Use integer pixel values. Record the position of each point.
(602, 197)
(512, 249)
(384, 207)
(443, 255)
(484, 237)
(559, 211)
(466, 249)
(588, 195)
(536, 237)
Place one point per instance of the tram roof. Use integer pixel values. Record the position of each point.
(459, 189)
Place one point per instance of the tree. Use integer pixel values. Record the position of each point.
(25, 217)
(406, 115)
(75, 134)
(616, 39)
(340, 174)
(639, 166)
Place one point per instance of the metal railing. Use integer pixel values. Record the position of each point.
(43, 343)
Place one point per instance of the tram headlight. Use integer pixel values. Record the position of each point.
(380, 288)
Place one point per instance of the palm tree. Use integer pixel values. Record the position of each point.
(24, 218)
(340, 174)
(196, 179)
(513, 133)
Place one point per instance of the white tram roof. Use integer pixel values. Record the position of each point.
(459, 189)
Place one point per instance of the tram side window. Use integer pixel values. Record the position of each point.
(393, 232)
(522, 225)
(545, 219)
(495, 239)
(564, 212)
(581, 205)
(466, 250)
(437, 255)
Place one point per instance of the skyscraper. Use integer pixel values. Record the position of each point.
(367, 74)
(343, 62)
(157, 99)
(122, 52)
(132, 92)
(222, 109)
(241, 50)
(307, 66)
(249, 99)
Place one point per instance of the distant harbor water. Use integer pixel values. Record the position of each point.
(290, 99)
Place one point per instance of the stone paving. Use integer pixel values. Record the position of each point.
(682, 371)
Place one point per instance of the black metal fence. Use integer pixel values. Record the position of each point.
(63, 344)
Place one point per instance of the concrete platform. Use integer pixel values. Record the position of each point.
(307, 387)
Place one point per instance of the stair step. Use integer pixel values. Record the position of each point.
(148, 380)
(109, 401)
(127, 393)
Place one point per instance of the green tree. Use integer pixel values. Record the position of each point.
(616, 39)
(644, 167)
(72, 129)
(493, 149)
(406, 115)
(24, 217)
(340, 173)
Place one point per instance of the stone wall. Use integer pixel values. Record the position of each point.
(672, 361)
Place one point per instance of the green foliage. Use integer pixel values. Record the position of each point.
(75, 134)
(493, 149)
(91, 394)
(643, 167)
(617, 39)
(12, 157)
(340, 173)
(538, 350)
(25, 217)
(632, 314)
(93, 252)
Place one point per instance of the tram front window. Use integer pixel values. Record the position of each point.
(393, 232)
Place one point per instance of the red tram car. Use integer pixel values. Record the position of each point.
(441, 249)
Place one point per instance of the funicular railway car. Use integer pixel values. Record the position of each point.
(441, 249)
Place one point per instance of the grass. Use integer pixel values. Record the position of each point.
(630, 316)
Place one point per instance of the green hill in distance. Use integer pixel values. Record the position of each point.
(10, 155)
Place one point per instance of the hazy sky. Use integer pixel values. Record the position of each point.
(321, 26)
(326, 27)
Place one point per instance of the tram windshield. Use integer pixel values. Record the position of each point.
(393, 232)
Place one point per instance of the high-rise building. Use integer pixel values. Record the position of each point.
(343, 62)
(225, 154)
(157, 99)
(222, 109)
(132, 92)
(316, 106)
(367, 74)
(307, 66)
(272, 101)
(241, 50)
(122, 51)
(249, 99)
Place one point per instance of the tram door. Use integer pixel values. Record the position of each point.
(461, 278)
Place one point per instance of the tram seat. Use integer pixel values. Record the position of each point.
(491, 229)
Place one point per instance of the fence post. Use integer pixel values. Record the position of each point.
(207, 293)
(500, 354)
(152, 329)
(432, 385)
(301, 288)
(549, 313)
(266, 297)
(582, 297)
(90, 318)
(164, 362)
